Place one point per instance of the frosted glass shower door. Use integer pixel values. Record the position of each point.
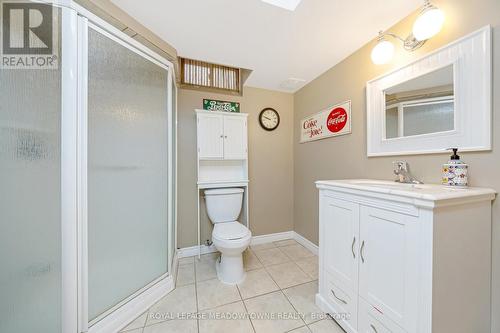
(30, 198)
(127, 172)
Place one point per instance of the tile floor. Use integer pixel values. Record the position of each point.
(276, 296)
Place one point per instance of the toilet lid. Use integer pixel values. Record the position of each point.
(230, 230)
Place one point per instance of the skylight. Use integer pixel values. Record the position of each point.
(285, 4)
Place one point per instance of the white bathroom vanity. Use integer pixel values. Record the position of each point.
(405, 257)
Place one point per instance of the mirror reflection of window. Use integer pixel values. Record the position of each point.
(391, 118)
(422, 105)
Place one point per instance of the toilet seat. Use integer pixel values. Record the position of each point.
(231, 239)
(230, 231)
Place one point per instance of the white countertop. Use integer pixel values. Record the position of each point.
(430, 192)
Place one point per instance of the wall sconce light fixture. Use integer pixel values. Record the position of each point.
(428, 24)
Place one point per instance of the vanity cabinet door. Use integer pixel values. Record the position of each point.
(341, 229)
(389, 265)
(235, 138)
(210, 136)
(339, 244)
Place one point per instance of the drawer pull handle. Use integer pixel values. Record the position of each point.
(340, 299)
(352, 247)
(361, 252)
(373, 328)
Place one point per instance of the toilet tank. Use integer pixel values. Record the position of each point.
(224, 204)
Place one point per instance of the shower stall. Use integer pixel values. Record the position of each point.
(87, 177)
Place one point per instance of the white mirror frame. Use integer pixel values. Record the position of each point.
(472, 70)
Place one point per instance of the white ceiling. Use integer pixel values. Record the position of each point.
(277, 44)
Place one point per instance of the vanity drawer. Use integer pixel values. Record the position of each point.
(345, 303)
(372, 321)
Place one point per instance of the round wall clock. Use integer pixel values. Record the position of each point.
(269, 119)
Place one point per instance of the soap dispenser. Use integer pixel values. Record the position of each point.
(455, 171)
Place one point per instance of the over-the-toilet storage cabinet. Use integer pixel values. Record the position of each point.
(399, 264)
(222, 150)
(222, 136)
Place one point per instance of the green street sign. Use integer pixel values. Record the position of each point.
(214, 105)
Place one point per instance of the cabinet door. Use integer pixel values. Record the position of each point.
(210, 136)
(339, 258)
(235, 138)
(389, 265)
(341, 228)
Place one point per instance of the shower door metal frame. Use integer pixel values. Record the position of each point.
(69, 162)
(174, 156)
(113, 317)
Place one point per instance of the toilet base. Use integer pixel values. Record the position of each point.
(230, 269)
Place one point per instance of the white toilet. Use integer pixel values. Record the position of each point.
(229, 236)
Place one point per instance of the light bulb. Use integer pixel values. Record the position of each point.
(429, 22)
(383, 52)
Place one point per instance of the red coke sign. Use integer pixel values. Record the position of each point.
(337, 119)
(332, 121)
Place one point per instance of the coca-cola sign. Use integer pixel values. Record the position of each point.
(333, 121)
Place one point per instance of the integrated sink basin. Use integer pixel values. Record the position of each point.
(404, 186)
(432, 192)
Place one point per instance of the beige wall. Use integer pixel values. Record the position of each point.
(270, 164)
(345, 157)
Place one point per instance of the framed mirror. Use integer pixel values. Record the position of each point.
(439, 101)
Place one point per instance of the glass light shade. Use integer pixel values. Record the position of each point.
(383, 52)
(428, 24)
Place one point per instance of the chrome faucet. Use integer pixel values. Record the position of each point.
(402, 170)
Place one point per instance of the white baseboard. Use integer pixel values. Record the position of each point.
(121, 317)
(193, 251)
(306, 243)
(261, 239)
